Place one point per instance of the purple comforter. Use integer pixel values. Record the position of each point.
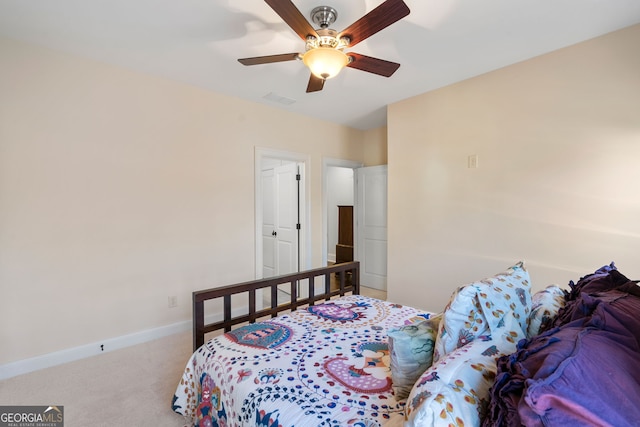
(584, 370)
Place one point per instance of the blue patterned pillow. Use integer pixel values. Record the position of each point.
(411, 348)
(545, 305)
(476, 309)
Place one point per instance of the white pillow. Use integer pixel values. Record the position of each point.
(476, 309)
(455, 390)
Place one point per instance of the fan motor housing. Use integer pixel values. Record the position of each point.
(324, 16)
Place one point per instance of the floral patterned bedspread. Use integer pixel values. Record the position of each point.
(325, 365)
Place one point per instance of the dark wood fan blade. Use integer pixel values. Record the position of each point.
(372, 65)
(315, 84)
(293, 17)
(378, 19)
(256, 60)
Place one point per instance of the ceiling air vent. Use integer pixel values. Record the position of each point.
(279, 99)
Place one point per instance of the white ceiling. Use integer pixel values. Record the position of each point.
(198, 42)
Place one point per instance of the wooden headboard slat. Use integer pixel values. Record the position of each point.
(347, 284)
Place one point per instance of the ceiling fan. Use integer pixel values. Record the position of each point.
(324, 53)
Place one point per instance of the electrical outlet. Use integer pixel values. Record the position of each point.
(472, 161)
(173, 301)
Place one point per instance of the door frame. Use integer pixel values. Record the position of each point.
(326, 163)
(304, 248)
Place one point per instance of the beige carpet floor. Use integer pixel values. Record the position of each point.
(129, 387)
(132, 387)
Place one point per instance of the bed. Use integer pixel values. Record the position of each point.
(332, 357)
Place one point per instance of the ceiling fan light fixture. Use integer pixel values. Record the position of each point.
(324, 47)
(325, 62)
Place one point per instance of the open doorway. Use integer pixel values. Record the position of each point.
(338, 190)
(368, 196)
(340, 202)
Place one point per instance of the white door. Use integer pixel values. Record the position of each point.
(286, 231)
(371, 226)
(280, 220)
(268, 184)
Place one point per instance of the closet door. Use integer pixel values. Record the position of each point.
(286, 215)
(280, 220)
(268, 223)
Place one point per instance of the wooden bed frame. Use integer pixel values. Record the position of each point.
(348, 279)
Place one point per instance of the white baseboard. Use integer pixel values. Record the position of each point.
(56, 358)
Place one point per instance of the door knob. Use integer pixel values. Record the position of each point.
(274, 233)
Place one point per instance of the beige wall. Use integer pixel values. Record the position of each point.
(375, 147)
(558, 183)
(119, 189)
